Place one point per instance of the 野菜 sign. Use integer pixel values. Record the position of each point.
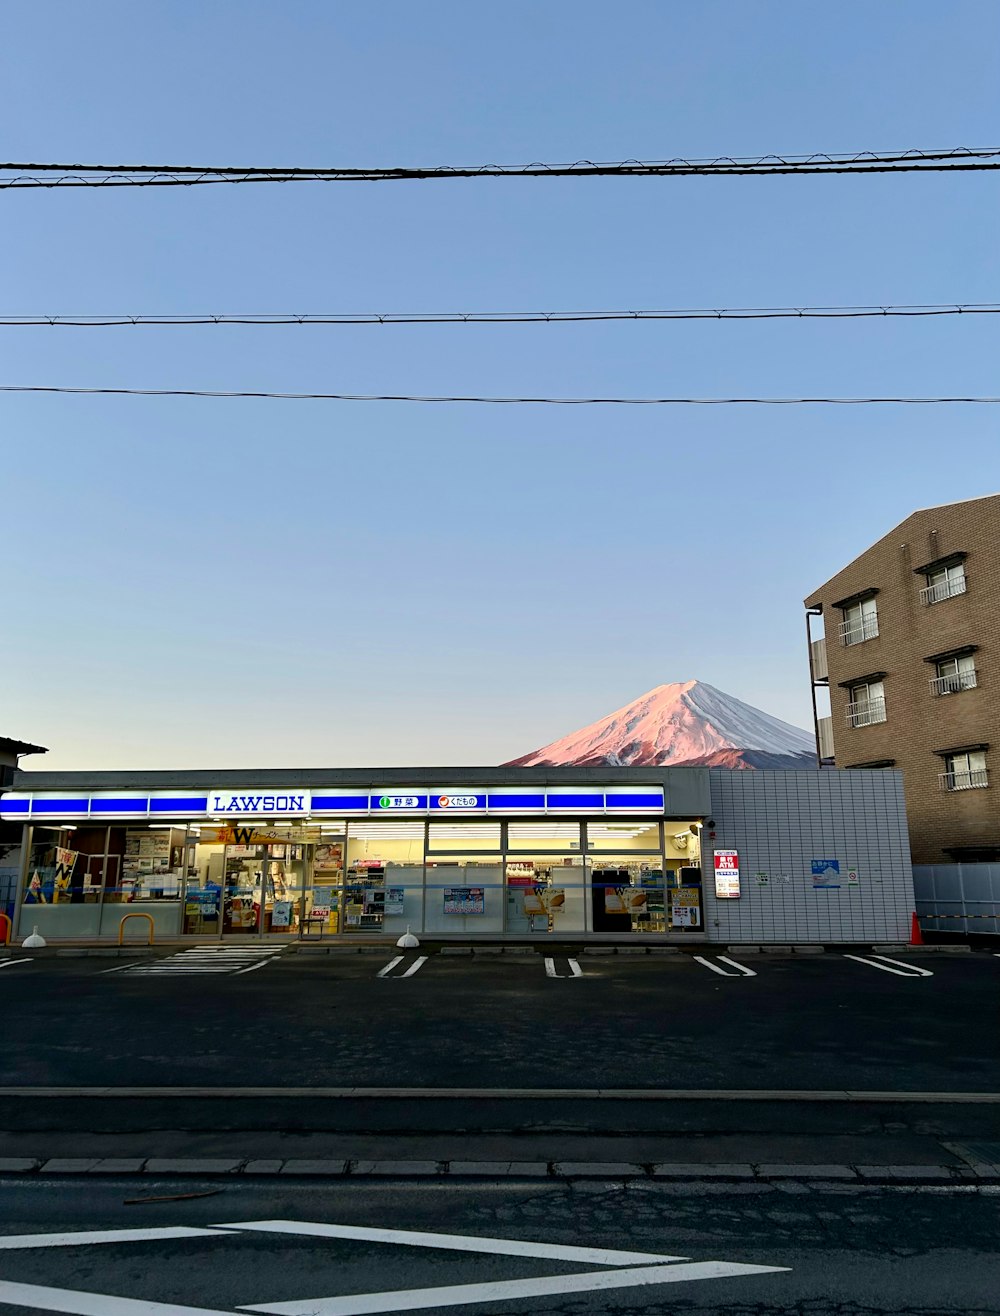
(727, 875)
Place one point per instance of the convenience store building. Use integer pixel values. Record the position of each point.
(582, 853)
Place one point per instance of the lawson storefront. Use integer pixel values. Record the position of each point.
(471, 853)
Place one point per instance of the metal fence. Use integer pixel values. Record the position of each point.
(958, 897)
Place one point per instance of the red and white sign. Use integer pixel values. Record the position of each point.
(727, 875)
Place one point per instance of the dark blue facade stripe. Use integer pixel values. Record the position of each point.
(119, 806)
(591, 801)
(59, 806)
(340, 802)
(180, 804)
(517, 801)
(647, 801)
(13, 806)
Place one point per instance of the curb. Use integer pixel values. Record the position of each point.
(617, 1171)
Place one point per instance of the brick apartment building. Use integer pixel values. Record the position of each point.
(911, 660)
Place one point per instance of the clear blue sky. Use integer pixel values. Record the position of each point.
(261, 583)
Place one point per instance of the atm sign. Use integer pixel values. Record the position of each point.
(727, 875)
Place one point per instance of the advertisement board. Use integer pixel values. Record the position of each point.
(727, 875)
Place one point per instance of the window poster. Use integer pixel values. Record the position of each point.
(328, 858)
(464, 900)
(394, 900)
(281, 914)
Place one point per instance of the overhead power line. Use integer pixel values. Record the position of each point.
(19, 174)
(267, 319)
(546, 401)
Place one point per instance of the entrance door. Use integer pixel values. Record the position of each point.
(262, 888)
(242, 884)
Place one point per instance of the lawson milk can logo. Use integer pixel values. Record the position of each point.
(226, 803)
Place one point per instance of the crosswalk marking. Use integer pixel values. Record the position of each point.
(741, 969)
(901, 971)
(206, 959)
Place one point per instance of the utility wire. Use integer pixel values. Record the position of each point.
(547, 401)
(506, 317)
(15, 174)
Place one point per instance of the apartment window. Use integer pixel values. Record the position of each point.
(943, 582)
(964, 770)
(867, 704)
(860, 621)
(954, 674)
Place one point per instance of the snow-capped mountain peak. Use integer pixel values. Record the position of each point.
(683, 722)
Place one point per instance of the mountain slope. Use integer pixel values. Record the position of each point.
(687, 722)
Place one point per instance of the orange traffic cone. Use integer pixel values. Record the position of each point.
(916, 936)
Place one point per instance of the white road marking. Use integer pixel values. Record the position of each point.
(903, 971)
(418, 963)
(384, 973)
(207, 959)
(362, 1304)
(10, 964)
(88, 1237)
(914, 968)
(747, 973)
(505, 1247)
(715, 968)
(41, 1298)
(574, 969)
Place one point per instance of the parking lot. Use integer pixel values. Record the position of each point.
(920, 1020)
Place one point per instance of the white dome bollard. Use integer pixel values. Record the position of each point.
(35, 941)
(407, 941)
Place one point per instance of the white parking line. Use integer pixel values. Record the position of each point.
(574, 968)
(384, 973)
(901, 971)
(743, 971)
(747, 973)
(9, 964)
(418, 963)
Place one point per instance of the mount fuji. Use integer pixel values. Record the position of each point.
(690, 723)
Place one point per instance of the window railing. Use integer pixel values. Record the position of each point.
(972, 779)
(858, 629)
(864, 712)
(953, 682)
(944, 589)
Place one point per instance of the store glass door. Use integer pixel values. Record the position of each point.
(262, 889)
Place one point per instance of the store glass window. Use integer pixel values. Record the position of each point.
(384, 878)
(553, 836)
(323, 896)
(627, 893)
(462, 836)
(464, 894)
(545, 893)
(637, 836)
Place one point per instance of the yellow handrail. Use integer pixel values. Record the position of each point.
(121, 927)
(10, 929)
